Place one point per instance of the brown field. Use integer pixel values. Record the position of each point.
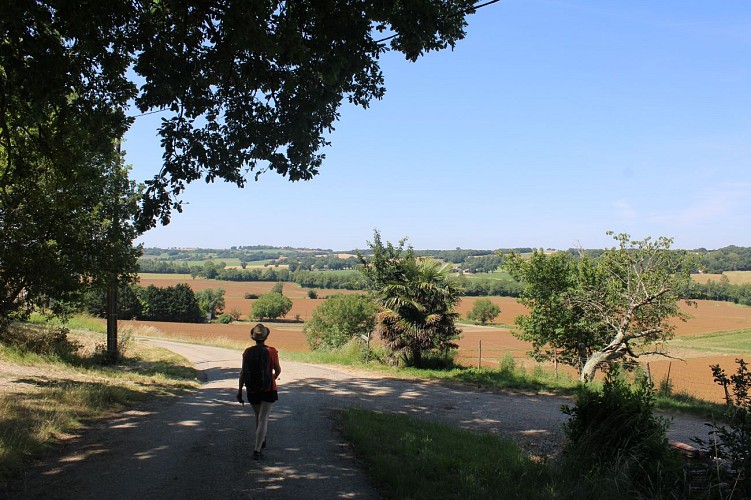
(692, 374)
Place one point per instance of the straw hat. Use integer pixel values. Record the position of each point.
(259, 332)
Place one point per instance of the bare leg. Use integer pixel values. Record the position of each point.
(262, 421)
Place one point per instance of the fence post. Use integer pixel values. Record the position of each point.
(479, 361)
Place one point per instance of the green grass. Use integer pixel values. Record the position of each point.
(723, 342)
(166, 276)
(412, 459)
(495, 275)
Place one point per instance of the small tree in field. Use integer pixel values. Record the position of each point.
(483, 311)
(278, 287)
(211, 301)
(270, 306)
(595, 312)
(339, 319)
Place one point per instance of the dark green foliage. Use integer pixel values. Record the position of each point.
(720, 290)
(312, 294)
(243, 86)
(173, 303)
(129, 304)
(417, 300)
(732, 442)
(614, 432)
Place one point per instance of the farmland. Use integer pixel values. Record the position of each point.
(700, 341)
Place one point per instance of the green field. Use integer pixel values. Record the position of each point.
(495, 275)
(732, 342)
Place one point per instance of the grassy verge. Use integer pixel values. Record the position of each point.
(47, 397)
(409, 458)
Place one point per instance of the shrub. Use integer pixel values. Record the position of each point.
(338, 319)
(225, 319)
(614, 434)
(249, 295)
(312, 294)
(46, 341)
(733, 441)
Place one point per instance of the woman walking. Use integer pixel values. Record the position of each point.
(259, 373)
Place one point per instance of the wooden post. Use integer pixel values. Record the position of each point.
(479, 361)
(555, 363)
(112, 321)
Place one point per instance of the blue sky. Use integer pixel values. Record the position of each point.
(553, 122)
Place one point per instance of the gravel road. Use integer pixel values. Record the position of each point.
(199, 445)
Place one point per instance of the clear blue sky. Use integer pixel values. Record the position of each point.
(553, 122)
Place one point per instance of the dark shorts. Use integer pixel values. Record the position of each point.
(269, 397)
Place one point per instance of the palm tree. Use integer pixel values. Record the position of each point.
(417, 298)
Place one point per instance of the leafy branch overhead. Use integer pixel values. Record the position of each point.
(244, 87)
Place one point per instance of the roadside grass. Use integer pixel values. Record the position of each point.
(409, 458)
(45, 398)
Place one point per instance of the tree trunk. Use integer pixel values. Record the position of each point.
(416, 357)
(590, 367)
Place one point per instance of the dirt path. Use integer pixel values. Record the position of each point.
(198, 446)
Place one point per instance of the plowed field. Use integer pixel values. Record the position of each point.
(478, 345)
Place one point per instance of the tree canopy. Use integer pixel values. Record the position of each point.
(243, 87)
(592, 312)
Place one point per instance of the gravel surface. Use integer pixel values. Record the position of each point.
(199, 445)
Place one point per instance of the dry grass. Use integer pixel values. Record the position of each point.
(44, 399)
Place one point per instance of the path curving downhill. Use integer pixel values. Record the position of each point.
(199, 445)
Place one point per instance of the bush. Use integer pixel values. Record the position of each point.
(251, 295)
(46, 341)
(338, 319)
(312, 294)
(270, 306)
(733, 441)
(225, 319)
(614, 434)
